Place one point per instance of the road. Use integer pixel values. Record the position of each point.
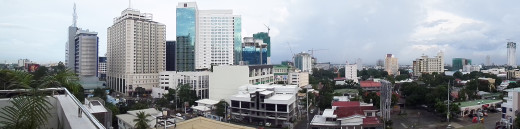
(302, 124)
(418, 118)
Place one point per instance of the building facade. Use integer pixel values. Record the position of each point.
(102, 68)
(298, 78)
(303, 61)
(170, 55)
(199, 82)
(281, 73)
(460, 63)
(254, 51)
(429, 65)
(511, 54)
(347, 115)
(224, 80)
(136, 52)
(86, 53)
(264, 104)
(351, 72)
(267, 40)
(391, 65)
(206, 37)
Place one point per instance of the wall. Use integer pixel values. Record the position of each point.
(225, 80)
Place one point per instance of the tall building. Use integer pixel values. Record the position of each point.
(351, 72)
(267, 40)
(380, 63)
(511, 54)
(136, 51)
(460, 63)
(86, 53)
(170, 55)
(303, 61)
(254, 51)
(22, 62)
(102, 68)
(206, 37)
(81, 54)
(429, 65)
(70, 45)
(391, 65)
(224, 79)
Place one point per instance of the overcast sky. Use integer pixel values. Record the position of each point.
(347, 29)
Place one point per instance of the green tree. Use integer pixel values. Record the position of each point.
(29, 111)
(142, 121)
(221, 108)
(185, 94)
(98, 92)
(458, 75)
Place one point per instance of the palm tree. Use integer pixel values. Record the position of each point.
(141, 121)
(30, 108)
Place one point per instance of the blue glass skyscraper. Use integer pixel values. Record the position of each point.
(186, 32)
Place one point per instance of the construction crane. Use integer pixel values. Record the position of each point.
(290, 48)
(268, 29)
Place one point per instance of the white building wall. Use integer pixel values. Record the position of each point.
(351, 72)
(224, 80)
(298, 78)
(199, 81)
(214, 38)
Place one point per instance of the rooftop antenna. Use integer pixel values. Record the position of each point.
(74, 17)
(129, 4)
(268, 29)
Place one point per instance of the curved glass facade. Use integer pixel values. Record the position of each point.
(237, 31)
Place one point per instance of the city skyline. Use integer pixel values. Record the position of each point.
(349, 29)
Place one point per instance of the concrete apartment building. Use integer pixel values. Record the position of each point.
(391, 65)
(298, 78)
(264, 104)
(199, 81)
(102, 67)
(429, 65)
(136, 51)
(512, 104)
(303, 61)
(281, 73)
(226, 79)
(351, 72)
(205, 37)
(85, 53)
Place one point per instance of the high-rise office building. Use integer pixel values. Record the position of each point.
(254, 51)
(170, 55)
(488, 60)
(81, 50)
(206, 37)
(136, 51)
(429, 65)
(86, 53)
(511, 54)
(359, 63)
(267, 40)
(303, 61)
(391, 65)
(459, 63)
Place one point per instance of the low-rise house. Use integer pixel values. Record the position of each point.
(370, 85)
(347, 115)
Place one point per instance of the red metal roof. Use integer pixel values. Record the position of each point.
(369, 84)
(342, 112)
(346, 103)
(371, 121)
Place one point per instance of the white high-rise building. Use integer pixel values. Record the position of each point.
(351, 72)
(429, 65)
(303, 61)
(511, 54)
(136, 51)
(206, 37)
(215, 38)
(391, 65)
